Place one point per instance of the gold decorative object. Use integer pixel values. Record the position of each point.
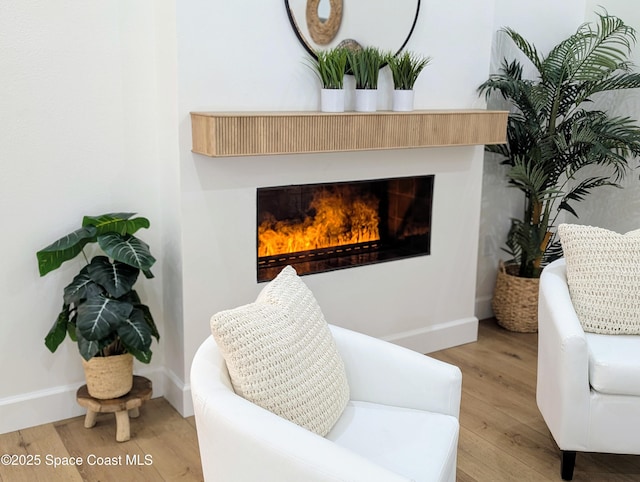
(323, 31)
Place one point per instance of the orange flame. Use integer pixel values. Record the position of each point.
(340, 218)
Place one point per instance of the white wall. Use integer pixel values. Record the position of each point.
(84, 131)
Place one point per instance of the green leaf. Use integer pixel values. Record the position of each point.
(524, 242)
(58, 332)
(149, 320)
(331, 66)
(578, 192)
(98, 316)
(80, 288)
(127, 249)
(142, 356)
(134, 331)
(133, 298)
(532, 180)
(88, 348)
(554, 251)
(116, 222)
(71, 326)
(405, 69)
(64, 249)
(365, 66)
(116, 278)
(525, 47)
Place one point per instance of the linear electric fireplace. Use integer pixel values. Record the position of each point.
(323, 227)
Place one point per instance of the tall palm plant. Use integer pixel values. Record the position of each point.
(552, 134)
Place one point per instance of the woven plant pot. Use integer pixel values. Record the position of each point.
(110, 376)
(515, 300)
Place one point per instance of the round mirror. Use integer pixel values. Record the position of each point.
(324, 24)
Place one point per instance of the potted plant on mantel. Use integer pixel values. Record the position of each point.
(405, 69)
(365, 64)
(101, 310)
(552, 137)
(330, 66)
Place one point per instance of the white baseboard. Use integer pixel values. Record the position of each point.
(58, 403)
(438, 337)
(483, 308)
(35, 408)
(178, 394)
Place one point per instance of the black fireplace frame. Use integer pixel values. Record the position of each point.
(360, 254)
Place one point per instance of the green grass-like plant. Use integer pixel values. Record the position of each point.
(101, 311)
(405, 69)
(365, 65)
(330, 66)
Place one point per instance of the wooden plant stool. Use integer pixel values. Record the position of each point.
(124, 407)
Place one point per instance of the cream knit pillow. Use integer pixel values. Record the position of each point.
(281, 355)
(603, 273)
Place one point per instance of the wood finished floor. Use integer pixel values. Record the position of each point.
(502, 435)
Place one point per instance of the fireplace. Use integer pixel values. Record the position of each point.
(329, 226)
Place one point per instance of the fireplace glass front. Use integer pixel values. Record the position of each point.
(329, 226)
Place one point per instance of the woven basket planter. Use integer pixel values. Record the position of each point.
(515, 300)
(110, 376)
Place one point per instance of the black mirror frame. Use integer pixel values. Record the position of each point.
(311, 52)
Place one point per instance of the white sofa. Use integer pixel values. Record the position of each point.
(588, 387)
(400, 424)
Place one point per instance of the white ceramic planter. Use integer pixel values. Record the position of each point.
(332, 100)
(366, 100)
(402, 100)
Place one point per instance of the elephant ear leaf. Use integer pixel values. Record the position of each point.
(142, 356)
(117, 278)
(58, 331)
(98, 316)
(134, 331)
(116, 222)
(80, 288)
(149, 319)
(64, 249)
(127, 249)
(88, 348)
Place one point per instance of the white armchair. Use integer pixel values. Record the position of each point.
(400, 424)
(588, 387)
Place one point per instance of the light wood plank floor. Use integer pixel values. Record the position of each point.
(502, 435)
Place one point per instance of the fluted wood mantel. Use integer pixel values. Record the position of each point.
(224, 134)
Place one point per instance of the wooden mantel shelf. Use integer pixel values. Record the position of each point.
(223, 134)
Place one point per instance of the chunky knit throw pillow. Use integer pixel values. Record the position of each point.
(281, 356)
(603, 273)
